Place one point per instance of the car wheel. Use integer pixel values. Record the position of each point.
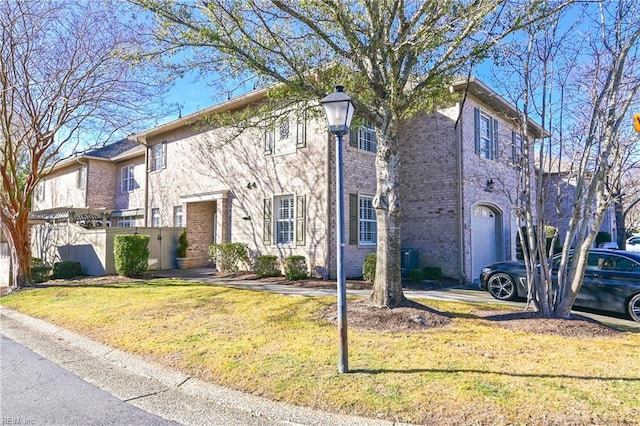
(502, 286)
(633, 307)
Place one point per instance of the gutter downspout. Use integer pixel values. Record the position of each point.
(86, 181)
(146, 180)
(461, 213)
(327, 169)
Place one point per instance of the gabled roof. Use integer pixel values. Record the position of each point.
(231, 104)
(112, 150)
(483, 92)
(116, 151)
(474, 86)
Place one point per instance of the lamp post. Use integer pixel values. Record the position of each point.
(339, 111)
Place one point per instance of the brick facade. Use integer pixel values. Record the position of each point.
(229, 186)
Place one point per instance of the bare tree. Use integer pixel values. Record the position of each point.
(65, 68)
(393, 57)
(626, 189)
(592, 77)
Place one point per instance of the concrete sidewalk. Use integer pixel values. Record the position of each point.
(205, 275)
(166, 393)
(469, 293)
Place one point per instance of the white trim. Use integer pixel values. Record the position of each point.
(205, 196)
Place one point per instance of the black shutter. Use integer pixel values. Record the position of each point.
(476, 127)
(301, 130)
(514, 148)
(269, 137)
(353, 219)
(300, 220)
(353, 136)
(495, 140)
(266, 225)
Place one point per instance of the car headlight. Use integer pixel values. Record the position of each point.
(485, 270)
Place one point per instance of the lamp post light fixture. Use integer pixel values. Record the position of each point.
(339, 111)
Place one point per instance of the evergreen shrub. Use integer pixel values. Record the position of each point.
(369, 267)
(432, 273)
(229, 256)
(295, 268)
(131, 254)
(66, 269)
(267, 265)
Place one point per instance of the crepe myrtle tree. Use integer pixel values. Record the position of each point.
(395, 58)
(588, 155)
(64, 69)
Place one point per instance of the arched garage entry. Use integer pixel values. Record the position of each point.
(486, 237)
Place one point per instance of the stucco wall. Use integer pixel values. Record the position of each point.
(61, 189)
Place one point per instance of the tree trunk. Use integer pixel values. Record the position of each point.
(17, 234)
(387, 285)
(620, 228)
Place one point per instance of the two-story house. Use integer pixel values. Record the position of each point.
(99, 187)
(273, 186)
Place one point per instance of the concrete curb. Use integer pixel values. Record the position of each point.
(167, 393)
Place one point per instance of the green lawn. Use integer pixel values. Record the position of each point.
(471, 372)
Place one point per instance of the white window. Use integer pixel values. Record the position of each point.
(158, 156)
(285, 143)
(486, 135)
(155, 217)
(39, 191)
(285, 219)
(127, 180)
(516, 141)
(126, 223)
(82, 177)
(177, 217)
(286, 134)
(367, 224)
(367, 137)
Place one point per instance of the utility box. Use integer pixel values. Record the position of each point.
(409, 259)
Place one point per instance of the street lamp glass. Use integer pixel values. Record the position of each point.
(339, 111)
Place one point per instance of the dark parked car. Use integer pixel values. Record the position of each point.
(611, 281)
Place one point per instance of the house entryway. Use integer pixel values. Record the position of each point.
(486, 240)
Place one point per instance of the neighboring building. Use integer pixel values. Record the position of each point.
(561, 189)
(100, 187)
(273, 187)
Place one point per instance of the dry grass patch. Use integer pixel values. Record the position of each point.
(470, 369)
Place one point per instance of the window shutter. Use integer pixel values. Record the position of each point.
(300, 220)
(164, 155)
(353, 136)
(375, 141)
(149, 159)
(266, 225)
(269, 137)
(476, 126)
(301, 134)
(495, 140)
(353, 219)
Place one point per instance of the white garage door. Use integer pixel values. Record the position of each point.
(483, 239)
